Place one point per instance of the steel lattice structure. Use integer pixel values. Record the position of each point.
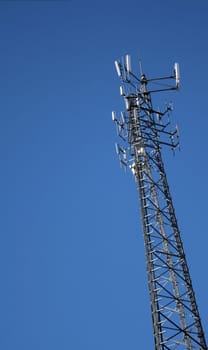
(143, 131)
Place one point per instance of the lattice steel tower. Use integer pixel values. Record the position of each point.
(143, 131)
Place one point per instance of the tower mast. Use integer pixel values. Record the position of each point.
(143, 131)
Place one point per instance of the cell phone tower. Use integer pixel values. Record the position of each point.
(143, 131)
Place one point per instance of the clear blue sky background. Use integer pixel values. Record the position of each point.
(71, 247)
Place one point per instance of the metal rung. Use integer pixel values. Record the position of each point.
(158, 299)
(157, 290)
(149, 224)
(155, 269)
(146, 197)
(162, 322)
(149, 233)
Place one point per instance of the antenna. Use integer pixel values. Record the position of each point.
(118, 69)
(128, 63)
(122, 92)
(140, 67)
(177, 74)
(113, 116)
(122, 117)
(117, 149)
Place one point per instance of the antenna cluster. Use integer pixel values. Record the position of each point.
(140, 117)
(124, 71)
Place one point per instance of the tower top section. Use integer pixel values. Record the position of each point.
(157, 84)
(141, 125)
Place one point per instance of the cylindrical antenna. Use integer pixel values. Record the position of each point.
(177, 74)
(140, 67)
(128, 63)
(118, 69)
(113, 116)
(122, 92)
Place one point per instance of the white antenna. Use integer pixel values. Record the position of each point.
(128, 63)
(117, 149)
(113, 116)
(118, 69)
(140, 67)
(122, 117)
(126, 101)
(122, 92)
(177, 130)
(132, 167)
(177, 74)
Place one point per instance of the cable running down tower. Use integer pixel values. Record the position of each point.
(143, 131)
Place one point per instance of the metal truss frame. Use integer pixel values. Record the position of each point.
(143, 131)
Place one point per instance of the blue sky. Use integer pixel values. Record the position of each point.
(72, 256)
